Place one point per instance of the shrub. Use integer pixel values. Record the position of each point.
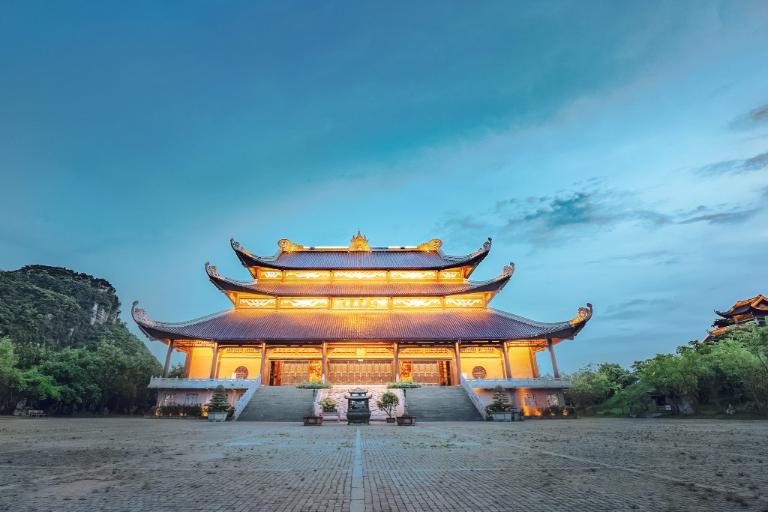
(388, 403)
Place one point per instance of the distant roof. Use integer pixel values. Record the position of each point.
(758, 303)
(359, 255)
(357, 289)
(332, 325)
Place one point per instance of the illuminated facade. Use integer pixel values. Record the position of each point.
(363, 315)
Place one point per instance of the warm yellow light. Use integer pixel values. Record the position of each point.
(416, 302)
(451, 274)
(465, 301)
(307, 274)
(410, 275)
(360, 303)
(300, 302)
(360, 274)
(270, 274)
(257, 302)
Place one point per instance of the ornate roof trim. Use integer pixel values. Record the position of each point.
(294, 256)
(327, 325)
(353, 289)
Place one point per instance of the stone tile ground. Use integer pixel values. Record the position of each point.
(137, 465)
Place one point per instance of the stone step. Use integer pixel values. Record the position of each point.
(443, 403)
(278, 403)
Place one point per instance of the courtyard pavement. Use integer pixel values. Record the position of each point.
(121, 464)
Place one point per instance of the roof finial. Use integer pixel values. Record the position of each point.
(359, 242)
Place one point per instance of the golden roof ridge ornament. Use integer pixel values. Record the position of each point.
(359, 242)
(288, 246)
(583, 315)
(433, 245)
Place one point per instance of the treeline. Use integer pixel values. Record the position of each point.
(727, 373)
(63, 349)
(101, 378)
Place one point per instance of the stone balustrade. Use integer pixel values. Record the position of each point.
(530, 383)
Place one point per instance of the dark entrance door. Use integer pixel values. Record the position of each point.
(429, 372)
(353, 371)
(290, 372)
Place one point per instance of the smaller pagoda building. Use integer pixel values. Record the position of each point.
(362, 315)
(744, 312)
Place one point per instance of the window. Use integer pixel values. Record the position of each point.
(241, 372)
(478, 372)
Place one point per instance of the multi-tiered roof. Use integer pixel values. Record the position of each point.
(754, 309)
(358, 292)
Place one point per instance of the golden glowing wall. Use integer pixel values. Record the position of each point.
(200, 362)
(228, 363)
(520, 362)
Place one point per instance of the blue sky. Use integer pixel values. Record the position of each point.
(616, 152)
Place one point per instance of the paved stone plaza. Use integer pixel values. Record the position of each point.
(140, 465)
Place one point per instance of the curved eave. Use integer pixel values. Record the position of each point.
(249, 260)
(239, 326)
(337, 289)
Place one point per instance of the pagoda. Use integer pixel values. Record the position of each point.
(744, 312)
(361, 315)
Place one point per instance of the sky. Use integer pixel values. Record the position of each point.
(616, 152)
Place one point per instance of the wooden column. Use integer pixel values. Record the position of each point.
(263, 369)
(187, 362)
(507, 367)
(168, 358)
(396, 361)
(213, 360)
(325, 362)
(534, 364)
(457, 350)
(551, 348)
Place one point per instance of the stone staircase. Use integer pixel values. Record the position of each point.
(278, 403)
(441, 403)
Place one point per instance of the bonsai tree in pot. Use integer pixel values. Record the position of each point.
(218, 407)
(314, 385)
(388, 403)
(405, 385)
(499, 409)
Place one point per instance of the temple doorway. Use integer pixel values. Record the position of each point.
(291, 372)
(360, 371)
(429, 372)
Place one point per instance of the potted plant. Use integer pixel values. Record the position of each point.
(388, 403)
(328, 404)
(218, 407)
(499, 409)
(405, 385)
(314, 385)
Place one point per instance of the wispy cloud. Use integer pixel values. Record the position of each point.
(540, 220)
(662, 257)
(738, 166)
(709, 216)
(634, 309)
(754, 118)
